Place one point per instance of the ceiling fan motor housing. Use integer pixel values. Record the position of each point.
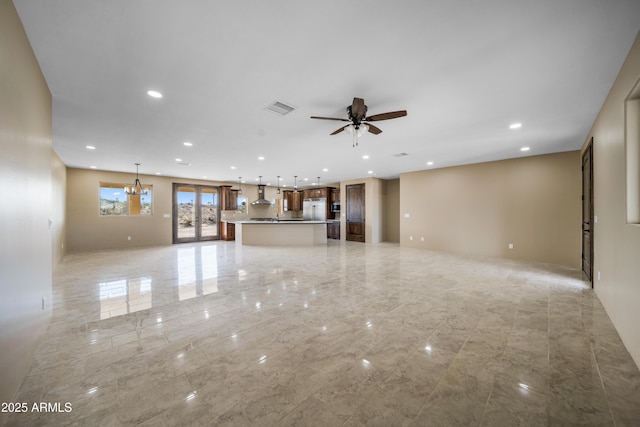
(356, 119)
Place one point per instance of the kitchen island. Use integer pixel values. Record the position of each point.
(281, 233)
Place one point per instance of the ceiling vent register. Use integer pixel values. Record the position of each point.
(280, 108)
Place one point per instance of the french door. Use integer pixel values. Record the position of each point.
(196, 213)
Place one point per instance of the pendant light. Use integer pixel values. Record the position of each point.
(136, 189)
(239, 185)
(278, 192)
(295, 183)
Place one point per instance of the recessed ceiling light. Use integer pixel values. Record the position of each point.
(233, 167)
(204, 176)
(366, 156)
(158, 173)
(429, 163)
(306, 179)
(260, 158)
(370, 172)
(92, 167)
(187, 144)
(325, 170)
(515, 126)
(525, 149)
(154, 94)
(90, 147)
(178, 160)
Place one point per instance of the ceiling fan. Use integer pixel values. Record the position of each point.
(359, 122)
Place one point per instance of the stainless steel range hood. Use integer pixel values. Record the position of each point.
(261, 200)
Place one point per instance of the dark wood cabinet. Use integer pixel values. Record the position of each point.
(333, 230)
(228, 199)
(316, 193)
(228, 230)
(335, 195)
(293, 200)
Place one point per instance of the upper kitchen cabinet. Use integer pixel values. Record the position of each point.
(316, 193)
(229, 199)
(293, 200)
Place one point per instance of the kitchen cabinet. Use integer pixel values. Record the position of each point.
(228, 199)
(228, 230)
(335, 195)
(293, 200)
(316, 193)
(333, 230)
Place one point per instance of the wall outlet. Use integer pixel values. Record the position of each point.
(410, 237)
(422, 239)
(510, 245)
(128, 237)
(407, 215)
(166, 215)
(598, 275)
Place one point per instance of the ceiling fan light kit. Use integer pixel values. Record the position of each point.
(357, 116)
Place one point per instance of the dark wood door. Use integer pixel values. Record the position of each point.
(587, 213)
(355, 213)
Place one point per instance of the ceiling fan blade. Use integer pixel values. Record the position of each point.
(340, 130)
(386, 116)
(373, 129)
(358, 109)
(330, 118)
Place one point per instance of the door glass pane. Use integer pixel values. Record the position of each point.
(186, 212)
(208, 212)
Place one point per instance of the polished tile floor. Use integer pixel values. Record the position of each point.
(347, 334)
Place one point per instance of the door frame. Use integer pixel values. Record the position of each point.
(588, 219)
(197, 206)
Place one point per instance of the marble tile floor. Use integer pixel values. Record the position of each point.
(348, 334)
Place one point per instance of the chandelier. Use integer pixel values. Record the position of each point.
(136, 189)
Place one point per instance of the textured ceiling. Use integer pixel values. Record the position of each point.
(463, 69)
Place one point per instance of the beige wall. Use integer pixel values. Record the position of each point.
(86, 230)
(58, 210)
(391, 206)
(616, 243)
(25, 189)
(532, 202)
(374, 211)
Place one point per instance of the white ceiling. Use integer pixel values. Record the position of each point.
(463, 69)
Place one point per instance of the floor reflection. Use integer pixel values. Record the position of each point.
(118, 297)
(197, 271)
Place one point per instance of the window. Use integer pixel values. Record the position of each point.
(115, 202)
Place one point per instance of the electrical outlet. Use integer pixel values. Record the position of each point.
(128, 237)
(410, 237)
(598, 275)
(422, 239)
(510, 245)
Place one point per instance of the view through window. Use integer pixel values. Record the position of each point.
(115, 202)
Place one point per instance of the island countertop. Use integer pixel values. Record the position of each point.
(281, 233)
(282, 221)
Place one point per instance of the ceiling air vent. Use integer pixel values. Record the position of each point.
(280, 108)
(183, 163)
(400, 155)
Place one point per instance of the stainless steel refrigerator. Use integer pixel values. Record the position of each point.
(314, 209)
